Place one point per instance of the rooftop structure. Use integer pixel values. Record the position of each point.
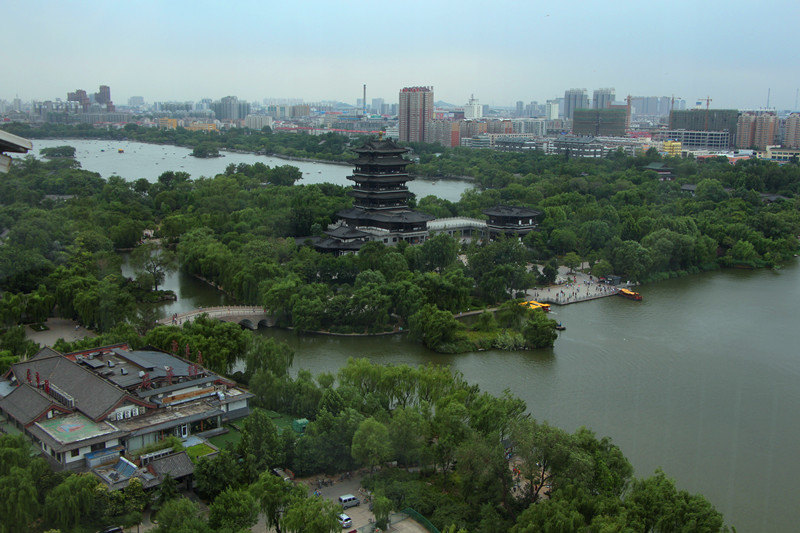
(91, 406)
(511, 221)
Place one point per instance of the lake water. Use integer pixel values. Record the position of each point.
(149, 161)
(700, 379)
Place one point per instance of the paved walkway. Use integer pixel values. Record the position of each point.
(573, 287)
(58, 328)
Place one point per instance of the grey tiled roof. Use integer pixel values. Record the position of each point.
(176, 465)
(93, 395)
(25, 403)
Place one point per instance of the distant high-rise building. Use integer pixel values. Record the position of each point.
(377, 105)
(520, 108)
(415, 111)
(135, 101)
(756, 130)
(472, 109)
(551, 110)
(79, 96)
(600, 122)
(104, 96)
(230, 108)
(575, 99)
(603, 98)
(705, 120)
(792, 137)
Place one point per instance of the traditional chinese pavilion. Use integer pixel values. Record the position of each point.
(380, 209)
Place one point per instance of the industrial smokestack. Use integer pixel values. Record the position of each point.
(364, 101)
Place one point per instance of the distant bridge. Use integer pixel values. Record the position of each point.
(250, 317)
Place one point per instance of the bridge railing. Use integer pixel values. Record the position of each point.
(226, 310)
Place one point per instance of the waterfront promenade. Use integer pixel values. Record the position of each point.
(572, 288)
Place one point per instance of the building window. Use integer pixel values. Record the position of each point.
(98, 446)
(75, 453)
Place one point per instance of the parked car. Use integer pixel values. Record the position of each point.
(344, 520)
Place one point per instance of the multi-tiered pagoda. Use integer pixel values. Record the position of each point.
(380, 209)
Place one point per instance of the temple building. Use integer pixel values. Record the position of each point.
(511, 221)
(380, 209)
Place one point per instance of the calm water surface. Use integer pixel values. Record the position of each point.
(149, 161)
(700, 379)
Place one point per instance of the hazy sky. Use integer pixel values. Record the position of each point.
(502, 51)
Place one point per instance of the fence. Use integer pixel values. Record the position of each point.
(396, 518)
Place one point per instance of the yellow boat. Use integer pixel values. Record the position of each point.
(533, 304)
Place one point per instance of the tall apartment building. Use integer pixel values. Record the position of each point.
(792, 137)
(597, 122)
(104, 96)
(473, 109)
(575, 99)
(445, 132)
(414, 113)
(603, 98)
(230, 108)
(520, 109)
(756, 130)
(551, 110)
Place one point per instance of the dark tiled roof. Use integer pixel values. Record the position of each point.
(382, 145)
(336, 244)
(382, 161)
(385, 216)
(176, 465)
(511, 211)
(155, 362)
(93, 395)
(25, 403)
(346, 232)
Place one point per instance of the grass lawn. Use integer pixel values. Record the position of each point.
(281, 421)
(198, 450)
(232, 437)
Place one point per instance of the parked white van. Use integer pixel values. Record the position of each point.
(348, 500)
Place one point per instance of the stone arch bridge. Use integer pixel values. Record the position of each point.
(250, 317)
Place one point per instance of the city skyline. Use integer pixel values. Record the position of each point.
(531, 52)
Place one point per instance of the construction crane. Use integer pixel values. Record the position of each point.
(708, 103)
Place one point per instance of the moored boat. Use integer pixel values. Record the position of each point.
(532, 304)
(630, 294)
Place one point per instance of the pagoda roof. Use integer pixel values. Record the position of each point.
(365, 176)
(382, 161)
(380, 145)
(346, 232)
(398, 216)
(336, 244)
(511, 211)
(389, 193)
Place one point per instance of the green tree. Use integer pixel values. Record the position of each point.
(371, 445)
(311, 515)
(19, 504)
(572, 261)
(382, 508)
(273, 496)
(151, 259)
(539, 331)
(181, 515)
(234, 510)
(433, 327)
